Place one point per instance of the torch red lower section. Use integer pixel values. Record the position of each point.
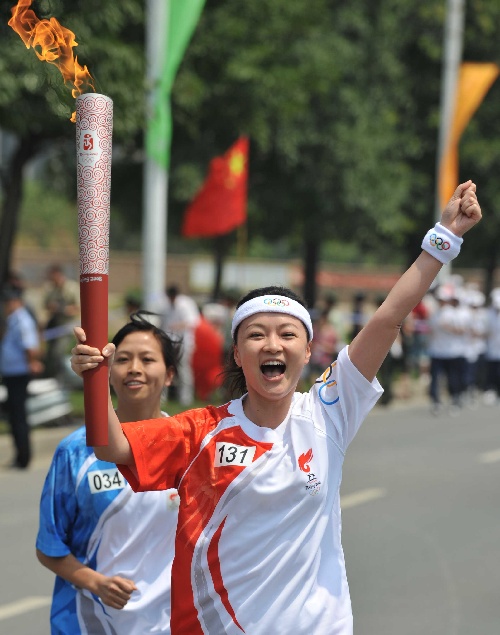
(94, 308)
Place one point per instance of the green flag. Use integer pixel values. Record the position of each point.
(183, 16)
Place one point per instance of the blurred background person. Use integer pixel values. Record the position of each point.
(180, 315)
(446, 349)
(492, 393)
(337, 319)
(475, 345)
(19, 362)
(62, 305)
(133, 303)
(358, 316)
(208, 354)
(111, 549)
(324, 346)
(417, 329)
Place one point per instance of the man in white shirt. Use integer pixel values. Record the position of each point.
(180, 316)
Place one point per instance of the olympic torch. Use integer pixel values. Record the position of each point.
(94, 127)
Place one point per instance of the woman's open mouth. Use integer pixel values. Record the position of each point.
(273, 369)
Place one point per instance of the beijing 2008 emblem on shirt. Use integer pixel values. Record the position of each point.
(313, 484)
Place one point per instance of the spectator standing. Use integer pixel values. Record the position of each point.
(132, 304)
(208, 354)
(323, 346)
(337, 319)
(446, 348)
(492, 393)
(19, 361)
(418, 332)
(62, 303)
(358, 316)
(111, 549)
(180, 315)
(475, 340)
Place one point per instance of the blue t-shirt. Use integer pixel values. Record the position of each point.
(21, 334)
(88, 509)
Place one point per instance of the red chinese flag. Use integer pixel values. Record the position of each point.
(221, 203)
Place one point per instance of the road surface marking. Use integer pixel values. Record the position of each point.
(22, 606)
(363, 496)
(490, 457)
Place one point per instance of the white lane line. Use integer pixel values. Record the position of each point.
(490, 457)
(363, 496)
(22, 606)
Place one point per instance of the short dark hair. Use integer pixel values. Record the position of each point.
(233, 379)
(171, 348)
(11, 292)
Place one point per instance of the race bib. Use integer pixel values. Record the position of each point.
(105, 480)
(227, 454)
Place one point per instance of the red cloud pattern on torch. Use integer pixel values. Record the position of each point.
(94, 127)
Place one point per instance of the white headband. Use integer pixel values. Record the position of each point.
(272, 304)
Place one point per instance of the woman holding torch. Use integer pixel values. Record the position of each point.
(258, 546)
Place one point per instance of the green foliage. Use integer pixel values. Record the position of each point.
(47, 218)
(33, 98)
(340, 101)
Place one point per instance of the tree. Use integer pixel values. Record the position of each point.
(35, 106)
(340, 101)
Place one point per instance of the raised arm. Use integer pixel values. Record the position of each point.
(83, 358)
(370, 347)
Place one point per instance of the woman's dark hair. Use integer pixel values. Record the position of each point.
(170, 348)
(233, 379)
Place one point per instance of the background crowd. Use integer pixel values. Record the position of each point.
(448, 350)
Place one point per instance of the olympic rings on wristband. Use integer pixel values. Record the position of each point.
(442, 244)
(438, 242)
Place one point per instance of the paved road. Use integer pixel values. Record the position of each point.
(421, 518)
(424, 556)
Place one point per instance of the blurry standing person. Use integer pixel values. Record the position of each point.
(337, 319)
(358, 316)
(323, 345)
(19, 361)
(446, 349)
(492, 393)
(62, 303)
(111, 549)
(132, 303)
(208, 354)
(181, 316)
(475, 349)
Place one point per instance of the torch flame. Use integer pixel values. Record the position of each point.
(52, 43)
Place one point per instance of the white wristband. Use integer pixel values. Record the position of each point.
(442, 244)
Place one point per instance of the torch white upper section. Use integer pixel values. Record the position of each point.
(94, 130)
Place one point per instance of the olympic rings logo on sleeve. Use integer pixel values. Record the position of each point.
(326, 382)
(439, 243)
(276, 301)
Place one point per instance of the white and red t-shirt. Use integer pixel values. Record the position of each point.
(258, 546)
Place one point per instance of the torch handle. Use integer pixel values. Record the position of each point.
(94, 307)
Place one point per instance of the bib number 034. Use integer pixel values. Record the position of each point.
(105, 480)
(231, 454)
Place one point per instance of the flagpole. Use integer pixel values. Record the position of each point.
(155, 176)
(452, 56)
